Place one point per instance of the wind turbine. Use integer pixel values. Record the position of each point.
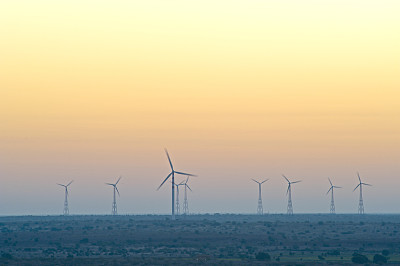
(185, 201)
(260, 206)
(289, 192)
(332, 210)
(66, 209)
(173, 172)
(114, 204)
(361, 202)
(178, 208)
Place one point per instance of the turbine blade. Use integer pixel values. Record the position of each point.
(184, 173)
(189, 188)
(169, 159)
(70, 183)
(187, 179)
(356, 187)
(359, 178)
(164, 180)
(296, 182)
(286, 178)
(117, 190)
(329, 190)
(337, 187)
(367, 184)
(255, 181)
(264, 181)
(118, 179)
(109, 184)
(288, 187)
(60, 185)
(330, 181)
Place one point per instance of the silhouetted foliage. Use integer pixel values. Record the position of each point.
(385, 252)
(6, 256)
(379, 259)
(263, 256)
(359, 258)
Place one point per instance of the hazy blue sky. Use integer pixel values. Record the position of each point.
(90, 90)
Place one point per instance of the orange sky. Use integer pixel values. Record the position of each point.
(235, 89)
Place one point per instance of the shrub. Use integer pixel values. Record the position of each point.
(359, 258)
(263, 256)
(7, 256)
(379, 259)
(385, 252)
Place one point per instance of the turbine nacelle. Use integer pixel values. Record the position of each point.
(290, 183)
(260, 183)
(173, 172)
(361, 183)
(115, 185)
(65, 186)
(332, 186)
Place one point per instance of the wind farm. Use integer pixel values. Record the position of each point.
(172, 175)
(199, 132)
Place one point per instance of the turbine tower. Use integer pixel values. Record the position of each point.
(114, 204)
(173, 172)
(66, 209)
(332, 210)
(289, 193)
(360, 202)
(185, 200)
(260, 206)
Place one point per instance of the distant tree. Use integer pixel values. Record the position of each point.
(359, 258)
(385, 252)
(7, 256)
(334, 252)
(84, 240)
(263, 256)
(379, 259)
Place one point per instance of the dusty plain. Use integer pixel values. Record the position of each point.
(223, 239)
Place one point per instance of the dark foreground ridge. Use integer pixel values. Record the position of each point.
(301, 239)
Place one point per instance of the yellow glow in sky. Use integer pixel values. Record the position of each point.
(295, 83)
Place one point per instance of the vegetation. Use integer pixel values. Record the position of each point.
(199, 239)
(379, 259)
(359, 258)
(263, 256)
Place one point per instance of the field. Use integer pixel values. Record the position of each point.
(223, 239)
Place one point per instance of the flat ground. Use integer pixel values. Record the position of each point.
(197, 239)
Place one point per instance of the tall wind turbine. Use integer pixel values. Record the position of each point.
(173, 172)
(66, 209)
(361, 202)
(114, 204)
(289, 192)
(185, 200)
(332, 210)
(260, 206)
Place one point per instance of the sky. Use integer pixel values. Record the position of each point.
(91, 90)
